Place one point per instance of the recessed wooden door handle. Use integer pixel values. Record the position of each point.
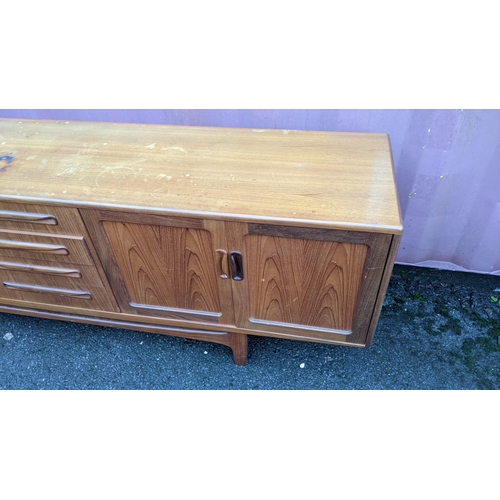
(31, 268)
(223, 270)
(33, 247)
(236, 260)
(7, 215)
(20, 287)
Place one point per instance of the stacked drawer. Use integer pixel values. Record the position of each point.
(45, 259)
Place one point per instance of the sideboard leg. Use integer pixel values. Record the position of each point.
(239, 345)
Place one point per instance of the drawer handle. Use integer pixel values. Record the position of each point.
(78, 294)
(55, 271)
(33, 247)
(223, 270)
(8, 216)
(236, 266)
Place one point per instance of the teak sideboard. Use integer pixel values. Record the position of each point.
(200, 232)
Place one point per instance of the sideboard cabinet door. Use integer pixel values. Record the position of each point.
(167, 267)
(308, 283)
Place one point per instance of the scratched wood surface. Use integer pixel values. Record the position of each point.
(326, 179)
(304, 282)
(165, 266)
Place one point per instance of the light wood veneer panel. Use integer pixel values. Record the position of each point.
(330, 179)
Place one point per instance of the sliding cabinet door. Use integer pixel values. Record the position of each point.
(307, 283)
(170, 267)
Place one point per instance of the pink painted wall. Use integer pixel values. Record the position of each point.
(447, 167)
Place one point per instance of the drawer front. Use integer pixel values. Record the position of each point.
(38, 247)
(41, 218)
(47, 273)
(76, 286)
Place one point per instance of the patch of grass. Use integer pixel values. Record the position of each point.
(485, 383)
(482, 321)
(453, 356)
(428, 326)
(418, 297)
(494, 332)
(452, 324)
(490, 343)
(486, 343)
(468, 346)
(472, 349)
(455, 353)
(466, 310)
(397, 304)
(404, 271)
(410, 315)
(442, 309)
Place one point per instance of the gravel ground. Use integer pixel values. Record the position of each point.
(438, 330)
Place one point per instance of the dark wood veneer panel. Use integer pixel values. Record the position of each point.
(391, 257)
(154, 220)
(308, 233)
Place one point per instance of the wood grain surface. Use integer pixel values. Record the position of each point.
(140, 224)
(68, 220)
(218, 238)
(39, 246)
(362, 273)
(294, 334)
(165, 266)
(64, 292)
(326, 179)
(44, 285)
(304, 282)
(32, 268)
(384, 283)
(32, 218)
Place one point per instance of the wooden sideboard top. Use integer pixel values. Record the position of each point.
(327, 179)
